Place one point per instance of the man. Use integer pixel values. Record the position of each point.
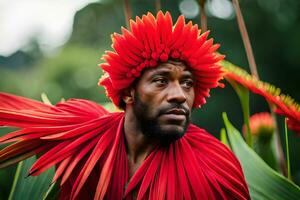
(157, 73)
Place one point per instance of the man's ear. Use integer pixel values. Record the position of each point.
(128, 95)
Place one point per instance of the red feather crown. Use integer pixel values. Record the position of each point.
(153, 40)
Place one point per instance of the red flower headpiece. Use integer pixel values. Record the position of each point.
(153, 40)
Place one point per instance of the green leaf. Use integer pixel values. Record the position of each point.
(32, 187)
(263, 181)
(263, 147)
(243, 94)
(45, 99)
(223, 137)
(52, 193)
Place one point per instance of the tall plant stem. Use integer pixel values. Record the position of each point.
(245, 38)
(287, 150)
(279, 150)
(127, 12)
(157, 5)
(203, 18)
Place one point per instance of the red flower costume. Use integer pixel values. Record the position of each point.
(86, 143)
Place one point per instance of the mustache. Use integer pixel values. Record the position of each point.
(174, 106)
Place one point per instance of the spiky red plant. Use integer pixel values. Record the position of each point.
(284, 105)
(261, 124)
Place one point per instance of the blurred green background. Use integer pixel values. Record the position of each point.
(69, 69)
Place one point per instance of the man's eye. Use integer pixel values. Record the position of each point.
(188, 83)
(160, 81)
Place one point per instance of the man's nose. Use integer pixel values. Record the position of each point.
(176, 93)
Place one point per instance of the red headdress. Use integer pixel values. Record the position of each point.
(153, 40)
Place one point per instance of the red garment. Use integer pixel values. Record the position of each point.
(87, 146)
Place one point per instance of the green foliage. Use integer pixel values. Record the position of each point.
(29, 188)
(94, 24)
(6, 181)
(223, 137)
(52, 193)
(243, 95)
(72, 73)
(266, 150)
(264, 182)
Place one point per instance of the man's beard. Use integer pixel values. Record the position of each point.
(150, 126)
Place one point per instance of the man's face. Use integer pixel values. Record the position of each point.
(163, 100)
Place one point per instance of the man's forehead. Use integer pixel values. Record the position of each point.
(172, 63)
(170, 66)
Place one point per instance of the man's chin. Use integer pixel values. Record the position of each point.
(172, 129)
(170, 133)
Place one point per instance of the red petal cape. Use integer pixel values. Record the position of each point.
(86, 143)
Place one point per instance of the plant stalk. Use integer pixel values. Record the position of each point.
(287, 150)
(279, 151)
(127, 12)
(203, 18)
(245, 38)
(157, 5)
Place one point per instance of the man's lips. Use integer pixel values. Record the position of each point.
(176, 111)
(175, 114)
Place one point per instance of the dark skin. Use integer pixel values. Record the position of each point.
(159, 89)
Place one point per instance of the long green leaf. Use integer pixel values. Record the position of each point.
(243, 94)
(223, 137)
(29, 188)
(263, 181)
(52, 193)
